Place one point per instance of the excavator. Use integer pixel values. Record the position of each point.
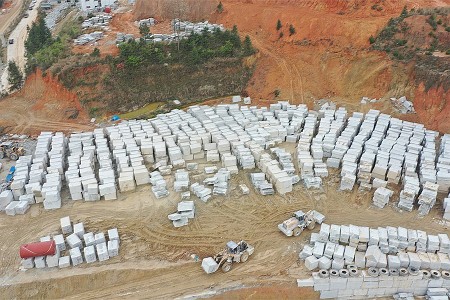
(233, 253)
(295, 225)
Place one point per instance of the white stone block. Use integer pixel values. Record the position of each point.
(102, 251)
(64, 262)
(89, 254)
(75, 256)
(311, 263)
(66, 225)
(74, 241)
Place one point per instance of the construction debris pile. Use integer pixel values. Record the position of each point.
(189, 27)
(148, 22)
(403, 105)
(75, 246)
(182, 30)
(54, 16)
(88, 38)
(124, 37)
(343, 253)
(99, 21)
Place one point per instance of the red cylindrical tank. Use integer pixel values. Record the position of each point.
(37, 249)
(107, 10)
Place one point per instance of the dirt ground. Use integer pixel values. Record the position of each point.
(328, 56)
(155, 258)
(42, 105)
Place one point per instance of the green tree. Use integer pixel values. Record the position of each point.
(144, 30)
(371, 40)
(281, 34)
(248, 47)
(133, 61)
(38, 37)
(404, 13)
(15, 76)
(279, 25)
(96, 52)
(291, 30)
(220, 7)
(227, 49)
(195, 56)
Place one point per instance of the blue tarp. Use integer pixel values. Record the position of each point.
(115, 118)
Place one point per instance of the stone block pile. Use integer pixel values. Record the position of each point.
(261, 184)
(427, 197)
(221, 183)
(201, 191)
(353, 253)
(185, 211)
(446, 206)
(159, 185)
(373, 150)
(75, 246)
(381, 197)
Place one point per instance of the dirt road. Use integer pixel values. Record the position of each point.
(155, 258)
(8, 17)
(16, 51)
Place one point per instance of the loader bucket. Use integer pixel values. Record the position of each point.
(209, 265)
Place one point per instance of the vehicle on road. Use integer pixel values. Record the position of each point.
(26, 15)
(11, 41)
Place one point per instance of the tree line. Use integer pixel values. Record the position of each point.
(195, 50)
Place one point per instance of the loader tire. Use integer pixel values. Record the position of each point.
(2, 154)
(13, 156)
(297, 231)
(312, 225)
(226, 267)
(244, 256)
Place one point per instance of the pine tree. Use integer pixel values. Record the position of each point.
(248, 47)
(144, 30)
(291, 30)
(220, 7)
(38, 37)
(279, 25)
(15, 76)
(95, 52)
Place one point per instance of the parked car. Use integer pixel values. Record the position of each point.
(26, 15)
(11, 41)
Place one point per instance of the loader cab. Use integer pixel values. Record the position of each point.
(299, 215)
(232, 247)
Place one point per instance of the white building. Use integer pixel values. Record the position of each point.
(88, 5)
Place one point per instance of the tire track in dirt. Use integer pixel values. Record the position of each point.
(150, 242)
(278, 60)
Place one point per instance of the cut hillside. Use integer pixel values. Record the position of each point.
(42, 105)
(194, 10)
(329, 55)
(419, 40)
(207, 65)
